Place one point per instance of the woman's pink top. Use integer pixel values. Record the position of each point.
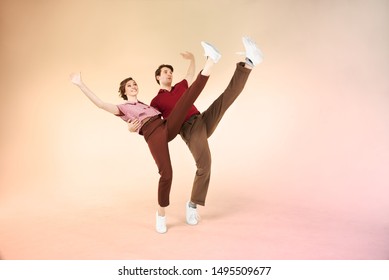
(136, 111)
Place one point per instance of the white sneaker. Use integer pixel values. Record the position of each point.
(160, 225)
(211, 52)
(252, 51)
(192, 218)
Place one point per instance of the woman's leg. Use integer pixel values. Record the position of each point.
(158, 145)
(159, 149)
(178, 114)
(180, 110)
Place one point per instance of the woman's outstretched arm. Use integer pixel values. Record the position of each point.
(75, 78)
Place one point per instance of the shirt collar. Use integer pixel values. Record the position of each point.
(135, 103)
(165, 90)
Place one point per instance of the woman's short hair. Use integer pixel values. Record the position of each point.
(122, 88)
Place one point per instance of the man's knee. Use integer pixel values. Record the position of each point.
(204, 166)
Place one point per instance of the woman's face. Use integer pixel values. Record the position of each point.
(131, 88)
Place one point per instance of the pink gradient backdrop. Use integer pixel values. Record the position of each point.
(300, 161)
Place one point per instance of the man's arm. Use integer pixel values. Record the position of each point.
(192, 66)
(133, 125)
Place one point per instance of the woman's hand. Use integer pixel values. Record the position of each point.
(134, 125)
(75, 78)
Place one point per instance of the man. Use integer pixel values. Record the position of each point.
(198, 127)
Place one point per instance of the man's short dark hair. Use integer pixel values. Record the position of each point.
(158, 71)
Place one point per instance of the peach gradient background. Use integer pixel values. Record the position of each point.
(300, 161)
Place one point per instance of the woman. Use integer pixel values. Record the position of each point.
(156, 131)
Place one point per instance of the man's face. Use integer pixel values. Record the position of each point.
(166, 76)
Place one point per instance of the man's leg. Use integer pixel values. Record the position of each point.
(197, 132)
(195, 136)
(215, 112)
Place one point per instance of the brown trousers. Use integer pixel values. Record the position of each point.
(196, 131)
(158, 133)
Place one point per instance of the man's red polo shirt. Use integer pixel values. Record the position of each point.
(166, 100)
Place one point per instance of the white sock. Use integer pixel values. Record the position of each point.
(192, 205)
(249, 62)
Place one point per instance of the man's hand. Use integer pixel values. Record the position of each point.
(133, 125)
(187, 55)
(192, 66)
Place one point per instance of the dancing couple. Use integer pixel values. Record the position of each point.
(172, 112)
